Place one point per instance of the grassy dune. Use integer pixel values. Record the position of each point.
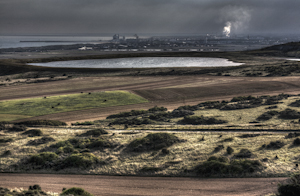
(180, 160)
(63, 103)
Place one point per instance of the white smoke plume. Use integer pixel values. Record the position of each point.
(227, 29)
(237, 19)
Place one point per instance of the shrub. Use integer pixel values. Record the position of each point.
(42, 158)
(212, 104)
(153, 141)
(292, 188)
(295, 103)
(196, 120)
(94, 133)
(267, 115)
(65, 149)
(274, 145)
(81, 160)
(218, 148)
(237, 106)
(6, 140)
(296, 142)
(18, 128)
(151, 169)
(157, 109)
(2, 126)
(222, 166)
(6, 153)
(181, 113)
(289, 114)
(292, 135)
(227, 139)
(33, 132)
(244, 153)
(43, 140)
(249, 135)
(188, 107)
(160, 116)
(128, 114)
(76, 192)
(242, 98)
(132, 121)
(229, 150)
(42, 122)
(35, 187)
(289, 190)
(272, 107)
(83, 123)
(100, 143)
(165, 151)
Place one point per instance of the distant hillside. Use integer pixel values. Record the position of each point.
(288, 49)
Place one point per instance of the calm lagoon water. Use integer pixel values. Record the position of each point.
(144, 62)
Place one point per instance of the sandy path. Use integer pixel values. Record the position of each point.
(125, 185)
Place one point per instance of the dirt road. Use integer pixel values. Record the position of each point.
(129, 185)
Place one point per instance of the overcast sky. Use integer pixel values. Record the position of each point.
(19, 17)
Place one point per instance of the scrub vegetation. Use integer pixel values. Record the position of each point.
(36, 190)
(109, 152)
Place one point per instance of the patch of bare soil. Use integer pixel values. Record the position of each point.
(167, 91)
(129, 185)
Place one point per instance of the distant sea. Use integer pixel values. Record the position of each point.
(37, 41)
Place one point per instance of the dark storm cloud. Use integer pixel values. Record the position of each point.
(148, 16)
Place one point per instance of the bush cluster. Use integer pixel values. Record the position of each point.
(42, 122)
(82, 143)
(83, 123)
(33, 132)
(237, 106)
(34, 190)
(43, 140)
(5, 140)
(292, 135)
(80, 160)
(212, 104)
(181, 113)
(220, 166)
(201, 120)
(242, 98)
(295, 103)
(128, 114)
(18, 128)
(292, 188)
(188, 107)
(94, 133)
(274, 145)
(153, 141)
(267, 115)
(289, 114)
(75, 191)
(42, 158)
(132, 121)
(244, 153)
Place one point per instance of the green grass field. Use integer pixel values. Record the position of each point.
(64, 103)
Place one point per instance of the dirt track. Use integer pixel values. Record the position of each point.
(122, 185)
(168, 91)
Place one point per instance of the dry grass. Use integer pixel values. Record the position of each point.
(182, 156)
